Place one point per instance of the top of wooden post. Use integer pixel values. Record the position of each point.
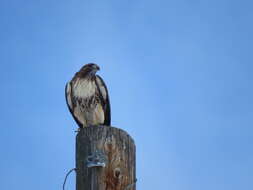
(112, 153)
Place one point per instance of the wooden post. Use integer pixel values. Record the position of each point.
(105, 159)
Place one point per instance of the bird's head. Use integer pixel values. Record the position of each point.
(89, 69)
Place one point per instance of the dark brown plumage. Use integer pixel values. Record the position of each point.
(87, 98)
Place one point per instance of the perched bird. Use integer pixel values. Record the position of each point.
(87, 98)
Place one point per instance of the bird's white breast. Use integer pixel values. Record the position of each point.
(84, 88)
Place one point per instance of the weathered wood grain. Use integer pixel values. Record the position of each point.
(119, 148)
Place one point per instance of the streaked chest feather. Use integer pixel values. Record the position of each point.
(84, 88)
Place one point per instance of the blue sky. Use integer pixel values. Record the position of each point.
(179, 75)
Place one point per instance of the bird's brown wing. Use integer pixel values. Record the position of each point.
(68, 96)
(104, 96)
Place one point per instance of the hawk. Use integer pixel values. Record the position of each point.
(87, 97)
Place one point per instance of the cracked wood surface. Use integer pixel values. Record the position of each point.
(119, 148)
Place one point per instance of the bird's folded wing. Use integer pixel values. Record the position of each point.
(105, 99)
(68, 96)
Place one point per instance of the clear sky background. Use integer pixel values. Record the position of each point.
(179, 74)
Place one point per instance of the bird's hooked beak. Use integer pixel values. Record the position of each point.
(95, 68)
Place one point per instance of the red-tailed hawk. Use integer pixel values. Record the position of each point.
(87, 98)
